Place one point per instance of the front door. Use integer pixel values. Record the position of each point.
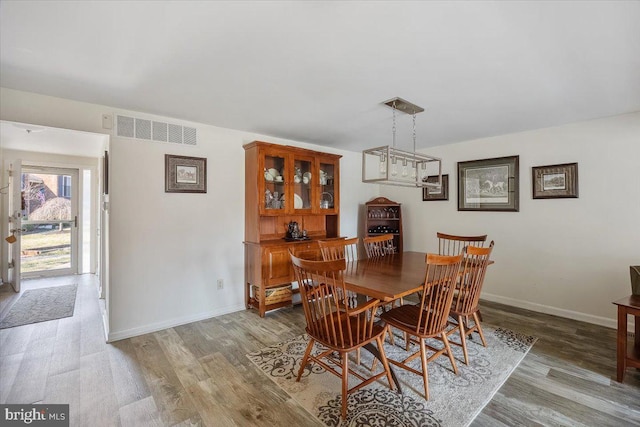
(49, 234)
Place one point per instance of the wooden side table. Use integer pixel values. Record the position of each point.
(628, 355)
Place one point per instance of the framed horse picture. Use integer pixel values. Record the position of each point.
(489, 185)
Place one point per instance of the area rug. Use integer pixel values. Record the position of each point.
(455, 400)
(41, 305)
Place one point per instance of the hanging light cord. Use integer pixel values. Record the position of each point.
(393, 128)
(414, 131)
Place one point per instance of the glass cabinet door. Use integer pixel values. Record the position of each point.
(302, 177)
(327, 180)
(274, 184)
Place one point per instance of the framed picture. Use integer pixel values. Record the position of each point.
(489, 185)
(555, 181)
(431, 193)
(184, 174)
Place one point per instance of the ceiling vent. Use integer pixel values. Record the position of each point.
(132, 127)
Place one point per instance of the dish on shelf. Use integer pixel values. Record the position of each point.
(307, 175)
(297, 201)
(268, 176)
(274, 172)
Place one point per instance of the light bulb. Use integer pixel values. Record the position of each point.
(405, 168)
(413, 171)
(383, 165)
(394, 166)
(423, 171)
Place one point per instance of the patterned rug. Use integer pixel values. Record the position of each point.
(455, 400)
(41, 305)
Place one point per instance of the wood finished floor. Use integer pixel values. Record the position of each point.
(197, 374)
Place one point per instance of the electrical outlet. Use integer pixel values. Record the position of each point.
(220, 283)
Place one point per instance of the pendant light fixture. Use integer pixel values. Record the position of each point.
(389, 165)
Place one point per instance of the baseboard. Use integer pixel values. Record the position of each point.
(561, 312)
(154, 327)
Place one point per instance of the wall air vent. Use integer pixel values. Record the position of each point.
(133, 127)
(143, 129)
(175, 134)
(160, 131)
(189, 136)
(125, 126)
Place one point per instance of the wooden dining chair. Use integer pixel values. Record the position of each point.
(429, 318)
(333, 324)
(449, 244)
(346, 249)
(379, 246)
(339, 248)
(467, 295)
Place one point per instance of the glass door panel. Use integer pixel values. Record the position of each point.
(302, 184)
(46, 246)
(326, 180)
(274, 182)
(49, 223)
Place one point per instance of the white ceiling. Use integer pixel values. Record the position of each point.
(319, 71)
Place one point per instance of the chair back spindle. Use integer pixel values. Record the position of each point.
(449, 244)
(379, 246)
(437, 296)
(339, 248)
(471, 280)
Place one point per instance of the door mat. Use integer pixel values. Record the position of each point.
(41, 305)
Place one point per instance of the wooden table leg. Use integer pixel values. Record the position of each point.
(622, 342)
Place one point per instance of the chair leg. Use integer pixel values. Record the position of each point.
(391, 340)
(445, 340)
(463, 339)
(385, 363)
(425, 372)
(345, 383)
(477, 320)
(305, 358)
(358, 356)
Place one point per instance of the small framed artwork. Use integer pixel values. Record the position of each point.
(184, 174)
(555, 181)
(435, 193)
(489, 185)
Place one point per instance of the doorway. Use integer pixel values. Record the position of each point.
(52, 221)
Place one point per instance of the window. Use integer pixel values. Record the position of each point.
(66, 187)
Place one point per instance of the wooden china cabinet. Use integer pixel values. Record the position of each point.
(285, 184)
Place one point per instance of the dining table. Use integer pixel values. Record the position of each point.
(387, 278)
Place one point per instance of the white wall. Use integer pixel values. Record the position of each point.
(166, 249)
(568, 257)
